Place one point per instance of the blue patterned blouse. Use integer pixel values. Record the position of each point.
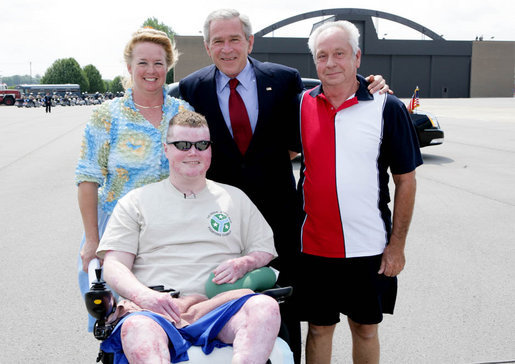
(121, 150)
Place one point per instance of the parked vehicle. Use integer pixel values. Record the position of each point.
(428, 129)
(310, 82)
(52, 89)
(173, 90)
(8, 96)
(426, 125)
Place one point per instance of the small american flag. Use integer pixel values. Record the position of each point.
(414, 102)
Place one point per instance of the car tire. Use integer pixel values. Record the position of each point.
(8, 100)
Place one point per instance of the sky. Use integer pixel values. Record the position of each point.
(34, 34)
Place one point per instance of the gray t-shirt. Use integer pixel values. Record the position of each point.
(179, 241)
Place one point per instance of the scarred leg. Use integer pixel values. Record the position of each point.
(253, 330)
(144, 341)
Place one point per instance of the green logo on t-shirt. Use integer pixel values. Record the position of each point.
(220, 223)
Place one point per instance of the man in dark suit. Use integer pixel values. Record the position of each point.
(258, 159)
(264, 170)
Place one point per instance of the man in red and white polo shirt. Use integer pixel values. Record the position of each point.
(352, 248)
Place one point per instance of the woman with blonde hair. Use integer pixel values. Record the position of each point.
(122, 147)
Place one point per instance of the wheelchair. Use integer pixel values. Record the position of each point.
(100, 303)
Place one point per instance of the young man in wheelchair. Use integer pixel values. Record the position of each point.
(176, 233)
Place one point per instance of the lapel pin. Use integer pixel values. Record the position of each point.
(269, 88)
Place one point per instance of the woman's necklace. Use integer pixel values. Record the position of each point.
(148, 107)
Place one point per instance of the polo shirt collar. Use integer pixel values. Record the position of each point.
(362, 93)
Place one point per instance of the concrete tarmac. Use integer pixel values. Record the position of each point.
(456, 294)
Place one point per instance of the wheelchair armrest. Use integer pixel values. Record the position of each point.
(279, 293)
(161, 288)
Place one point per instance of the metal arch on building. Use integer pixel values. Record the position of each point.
(350, 11)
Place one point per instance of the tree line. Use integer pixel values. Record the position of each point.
(68, 70)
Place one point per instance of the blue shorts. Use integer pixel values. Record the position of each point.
(202, 332)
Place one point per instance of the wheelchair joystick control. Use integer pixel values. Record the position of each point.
(98, 274)
(100, 302)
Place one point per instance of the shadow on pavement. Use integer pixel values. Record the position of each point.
(436, 159)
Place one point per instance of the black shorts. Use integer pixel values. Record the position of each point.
(327, 287)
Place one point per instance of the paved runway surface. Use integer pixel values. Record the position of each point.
(456, 295)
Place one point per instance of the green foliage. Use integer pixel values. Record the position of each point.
(116, 85)
(96, 84)
(169, 76)
(156, 24)
(66, 70)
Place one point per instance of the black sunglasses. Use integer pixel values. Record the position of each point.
(183, 145)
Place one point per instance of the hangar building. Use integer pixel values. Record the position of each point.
(440, 68)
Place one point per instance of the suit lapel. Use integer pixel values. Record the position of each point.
(216, 121)
(211, 98)
(265, 91)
